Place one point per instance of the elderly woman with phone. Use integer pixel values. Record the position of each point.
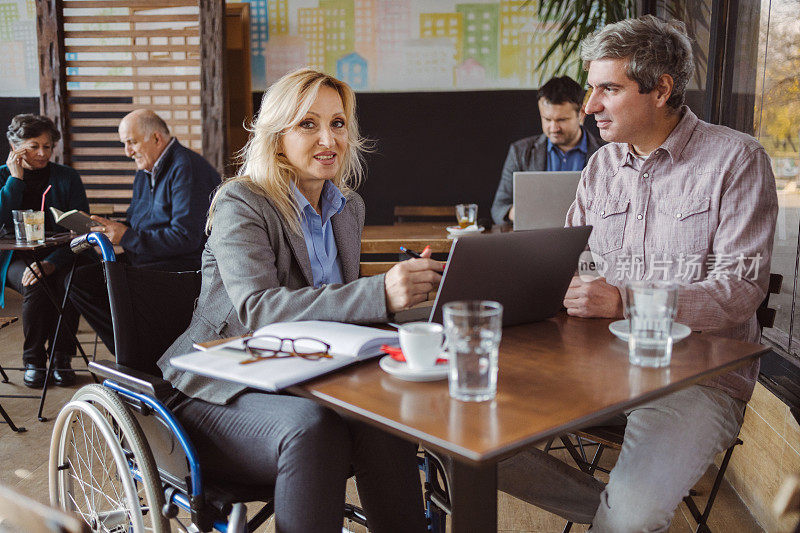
(29, 180)
(284, 245)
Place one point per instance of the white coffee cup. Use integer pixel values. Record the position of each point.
(421, 343)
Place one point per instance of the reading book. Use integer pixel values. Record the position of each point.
(74, 220)
(348, 343)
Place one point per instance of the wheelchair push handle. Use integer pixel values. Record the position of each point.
(84, 242)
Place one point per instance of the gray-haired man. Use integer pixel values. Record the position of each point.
(668, 190)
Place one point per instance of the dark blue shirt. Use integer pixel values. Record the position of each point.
(168, 211)
(575, 159)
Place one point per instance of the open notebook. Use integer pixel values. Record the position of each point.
(349, 343)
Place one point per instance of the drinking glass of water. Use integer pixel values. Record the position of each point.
(651, 308)
(473, 330)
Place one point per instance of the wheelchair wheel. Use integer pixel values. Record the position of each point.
(101, 467)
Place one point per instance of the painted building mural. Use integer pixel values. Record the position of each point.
(19, 70)
(403, 45)
(375, 45)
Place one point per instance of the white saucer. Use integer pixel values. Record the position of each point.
(401, 370)
(457, 230)
(621, 328)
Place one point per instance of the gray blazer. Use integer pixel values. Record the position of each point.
(527, 154)
(256, 271)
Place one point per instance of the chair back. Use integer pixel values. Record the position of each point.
(765, 314)
(149, 310)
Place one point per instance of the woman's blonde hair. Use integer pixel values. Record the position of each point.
(265, 169)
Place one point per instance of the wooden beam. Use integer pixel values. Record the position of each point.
(104, 165)
(155, 4)
(166, 48)
(127, 62)
(127, 108)
(113, 137)
(97, 19)
(132, 34)
(124, 78)
(92, 93)
(114, 122)
(212, 82)
(52, 79)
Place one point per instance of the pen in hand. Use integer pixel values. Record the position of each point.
(412, 253)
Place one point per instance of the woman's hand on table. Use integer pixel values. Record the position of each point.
(16, 160)
(593, 299)
(32, 273)
(409, 282)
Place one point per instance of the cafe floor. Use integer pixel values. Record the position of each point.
(23, 457)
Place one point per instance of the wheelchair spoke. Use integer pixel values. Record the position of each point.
(88, 479)
(85, 447)
(77, 509)
(73, 464)
(97, 487)
(102, 459)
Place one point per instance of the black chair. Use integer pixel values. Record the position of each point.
(611, 436)
(149, 310)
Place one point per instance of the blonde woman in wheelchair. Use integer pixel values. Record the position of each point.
(284, 244)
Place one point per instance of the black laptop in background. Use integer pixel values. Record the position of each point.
(526, 271)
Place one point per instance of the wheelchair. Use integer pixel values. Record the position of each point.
(119, 458)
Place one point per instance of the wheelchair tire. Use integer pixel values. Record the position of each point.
(94, 437)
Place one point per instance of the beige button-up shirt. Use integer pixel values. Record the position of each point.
(700, 210)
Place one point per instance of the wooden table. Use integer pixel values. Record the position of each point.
(34, 253)
(413, 235)
(555, 376)
(10, 243)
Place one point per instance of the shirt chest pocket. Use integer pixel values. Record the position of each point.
(608, 216)
(682, 223)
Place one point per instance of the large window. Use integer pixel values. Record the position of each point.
(748, 78)
(776, 121)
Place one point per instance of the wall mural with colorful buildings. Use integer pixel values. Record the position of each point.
(374, 45)
(403, 45)
(19, 68)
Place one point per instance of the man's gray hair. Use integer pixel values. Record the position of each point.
(651, 46)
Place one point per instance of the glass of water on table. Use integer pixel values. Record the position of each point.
(651, 307)
(473, 330)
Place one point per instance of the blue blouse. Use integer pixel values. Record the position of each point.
(318, 234)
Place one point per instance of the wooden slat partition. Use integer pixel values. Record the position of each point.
(154, 62)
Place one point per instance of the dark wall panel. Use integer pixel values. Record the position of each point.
(440, 148)
(9, 107)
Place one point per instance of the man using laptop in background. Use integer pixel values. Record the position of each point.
(165, 223)
(564, 145)
(670, 198)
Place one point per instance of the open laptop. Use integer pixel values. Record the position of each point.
(542, 199)
(526, 271)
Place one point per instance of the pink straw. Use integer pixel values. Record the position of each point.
(43, 195)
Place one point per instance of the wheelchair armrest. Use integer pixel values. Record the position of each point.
(136, 380)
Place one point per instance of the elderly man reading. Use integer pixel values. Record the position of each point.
(668, 190)
(164, 227)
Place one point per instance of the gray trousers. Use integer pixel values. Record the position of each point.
(307, 452)
(669, 444)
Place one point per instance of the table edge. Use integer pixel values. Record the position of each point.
(496, 455)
